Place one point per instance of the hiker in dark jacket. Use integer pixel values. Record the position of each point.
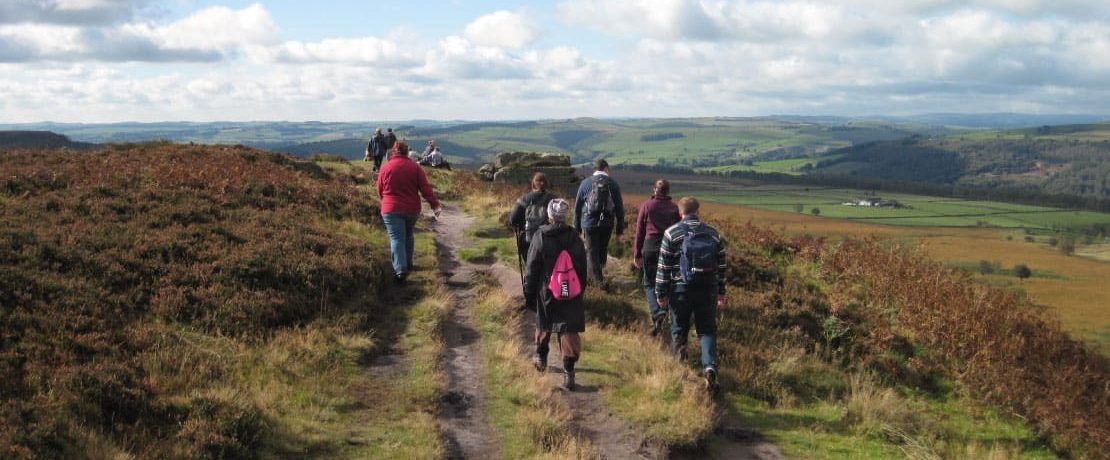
(376, 149)
(565, 318)
(525, 223)
(701, 300)
(596, 226)
(656, 215)
(390, 140)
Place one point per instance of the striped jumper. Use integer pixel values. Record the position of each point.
(668, 279)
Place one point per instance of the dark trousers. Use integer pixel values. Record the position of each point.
(570, 343)
(378, 162)
(650, 256)
(597, 250)
(701, 305)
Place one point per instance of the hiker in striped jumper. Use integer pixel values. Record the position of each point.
(690, 282)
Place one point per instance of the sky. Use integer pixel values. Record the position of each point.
(228, 60)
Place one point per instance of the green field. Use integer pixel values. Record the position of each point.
(919, 210)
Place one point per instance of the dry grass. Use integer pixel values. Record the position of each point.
(1080, 297)
(645, 385)
(531, 419)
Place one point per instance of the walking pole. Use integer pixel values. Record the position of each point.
(520, 265)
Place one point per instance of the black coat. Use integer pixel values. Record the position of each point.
(554, 315)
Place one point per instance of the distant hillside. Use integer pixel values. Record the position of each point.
(1067, 160)
(38, 140)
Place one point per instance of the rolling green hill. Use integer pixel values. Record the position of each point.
(1060, 160)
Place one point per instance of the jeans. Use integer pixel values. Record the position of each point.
(651, 266)
(702, 305)
(597, 250)
(401, 241)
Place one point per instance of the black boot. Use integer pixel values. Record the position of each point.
(568, 373)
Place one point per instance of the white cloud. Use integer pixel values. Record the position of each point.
(372, 51)
(502, 29)
(219, 28)
(72, 12)
(207, 35)
(668, 58)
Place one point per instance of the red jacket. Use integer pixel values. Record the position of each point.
(401, 182)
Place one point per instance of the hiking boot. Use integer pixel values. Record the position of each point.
(656, 326)
(568, 380)
(540, 361)
(400, 278)
(711, 380)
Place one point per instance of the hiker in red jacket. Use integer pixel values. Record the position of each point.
(656, 215)
(401, 182)
(554, 280)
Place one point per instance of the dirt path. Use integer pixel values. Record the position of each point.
(611, 436)
(614, 438)
(462, 416)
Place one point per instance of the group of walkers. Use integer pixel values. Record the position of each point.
(382, 144)
(682, 261)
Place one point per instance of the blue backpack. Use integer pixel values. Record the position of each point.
(698, 262)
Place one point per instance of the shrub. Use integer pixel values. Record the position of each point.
(1022, 271)
(106, 257)
(815, 211)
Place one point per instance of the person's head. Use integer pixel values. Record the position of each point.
(601, 165)
(688, 206)
(377, 130)
(557, 210)
(389, 130)
(539, 182)
(401, 148)
(662, 188)
(432, 142)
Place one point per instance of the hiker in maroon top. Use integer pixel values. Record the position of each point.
(554, 280)
(401, 182)
(656, 215)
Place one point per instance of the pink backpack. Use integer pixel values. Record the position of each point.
(564, 284)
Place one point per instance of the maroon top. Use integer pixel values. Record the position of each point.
(401, 182)
(656, 215)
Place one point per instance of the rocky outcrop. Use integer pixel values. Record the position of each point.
(518, 167)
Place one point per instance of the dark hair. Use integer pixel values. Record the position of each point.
(389, 129)
(401, 148)
(663, 186)
(540, 178)
(600, 164)
(688, 205)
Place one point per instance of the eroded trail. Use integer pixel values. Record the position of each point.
(462, 417)
(611, 437)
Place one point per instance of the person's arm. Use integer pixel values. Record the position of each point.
(722, 267)
(641, 230)
(381, 180)
(426, 190)
(618, 207)
(668, 263)
(516, 216)
(579, 200)
(533, 271)
(578, 256)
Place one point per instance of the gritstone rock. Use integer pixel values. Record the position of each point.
(518, 167)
